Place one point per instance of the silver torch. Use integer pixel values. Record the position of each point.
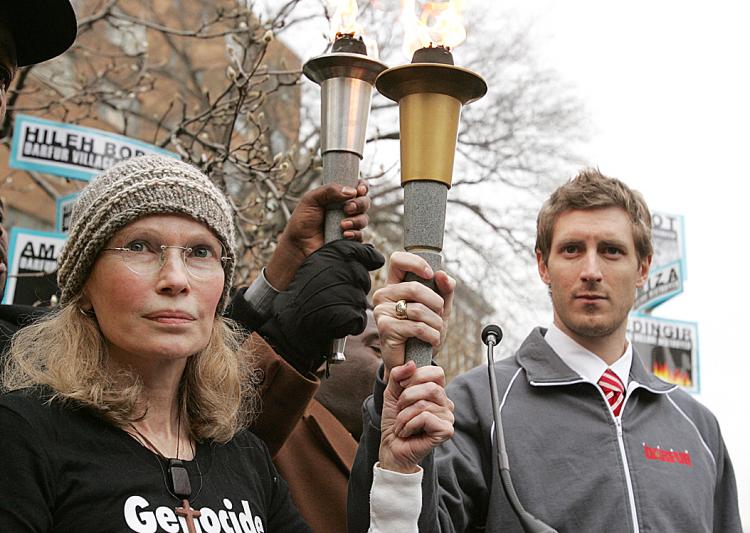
(346, 77)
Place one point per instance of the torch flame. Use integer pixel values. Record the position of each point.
(344, 18)
(344, 22)
(440, 24)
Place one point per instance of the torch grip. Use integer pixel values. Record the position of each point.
(341, 168)
(424, 225)
(416, 350)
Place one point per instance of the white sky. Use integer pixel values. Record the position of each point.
(668, 98)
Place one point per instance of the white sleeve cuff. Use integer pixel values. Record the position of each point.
(260, 295)
(395, 501)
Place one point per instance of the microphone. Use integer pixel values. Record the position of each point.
(491, 336)
(492, 333)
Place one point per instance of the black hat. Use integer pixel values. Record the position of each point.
(42, 29)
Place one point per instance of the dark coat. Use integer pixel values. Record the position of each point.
(311, 449)
(316, 461)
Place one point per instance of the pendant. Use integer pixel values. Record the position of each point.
(180, 479)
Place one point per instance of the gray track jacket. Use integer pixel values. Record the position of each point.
(662, 469)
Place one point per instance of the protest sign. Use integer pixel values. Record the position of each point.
(669, 348)
(63, 211)
(662, 284)
(668, 270)
(70, 150)
(32, 266)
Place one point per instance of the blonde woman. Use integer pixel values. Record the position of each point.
(128, 404)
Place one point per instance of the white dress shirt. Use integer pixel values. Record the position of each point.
(586, 363)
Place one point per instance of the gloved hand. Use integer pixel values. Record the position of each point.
(327, 299)
(304, 232)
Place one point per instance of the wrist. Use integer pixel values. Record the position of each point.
(388, 461)
(259, 298)
(387, 464)
(284, 263)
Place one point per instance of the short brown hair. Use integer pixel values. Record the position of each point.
(591, 189)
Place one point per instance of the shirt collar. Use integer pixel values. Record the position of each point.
(586, 363)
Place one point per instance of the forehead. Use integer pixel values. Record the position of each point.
(172, 227)
(600, 224)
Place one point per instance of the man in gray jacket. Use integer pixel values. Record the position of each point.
(594, 441)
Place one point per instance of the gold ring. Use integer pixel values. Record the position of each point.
(401, 310)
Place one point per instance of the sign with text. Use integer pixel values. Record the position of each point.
(63, 211)
(669, 348)
(70, 150)
(32, 266)
(667, 273)
(663, 283)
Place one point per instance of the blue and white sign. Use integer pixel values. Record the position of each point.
(668, 348)
(32, 264)
(668, 270)
(63, 211)
(663, 283)
(70, 150)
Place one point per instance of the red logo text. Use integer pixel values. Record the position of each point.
(667, 456)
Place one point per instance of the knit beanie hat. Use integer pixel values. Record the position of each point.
(132, 189)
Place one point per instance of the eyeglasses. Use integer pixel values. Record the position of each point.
(202, 261)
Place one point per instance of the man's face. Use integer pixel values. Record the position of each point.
(593, 272)
(351, 381)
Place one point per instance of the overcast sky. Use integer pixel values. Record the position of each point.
(666, 88)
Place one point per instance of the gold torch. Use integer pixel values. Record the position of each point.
(346, 77)
(430, 92)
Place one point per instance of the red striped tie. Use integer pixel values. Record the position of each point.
(613, 390)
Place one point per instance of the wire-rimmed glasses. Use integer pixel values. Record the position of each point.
(202, 261)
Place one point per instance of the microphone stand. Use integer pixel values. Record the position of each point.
(491, 336)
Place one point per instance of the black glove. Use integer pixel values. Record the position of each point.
(243, 313)
(327, 299)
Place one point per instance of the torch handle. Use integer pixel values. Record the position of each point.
(342, 168)
(424, 226)
(416, 350)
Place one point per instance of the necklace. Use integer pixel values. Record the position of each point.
(178, 476)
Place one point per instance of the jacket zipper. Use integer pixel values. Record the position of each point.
(620, 441)
(626, 466)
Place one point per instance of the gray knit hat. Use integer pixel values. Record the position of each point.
(132, 189)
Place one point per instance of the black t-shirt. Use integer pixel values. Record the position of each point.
(63, 469)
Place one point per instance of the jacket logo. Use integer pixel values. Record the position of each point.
(667, 456)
